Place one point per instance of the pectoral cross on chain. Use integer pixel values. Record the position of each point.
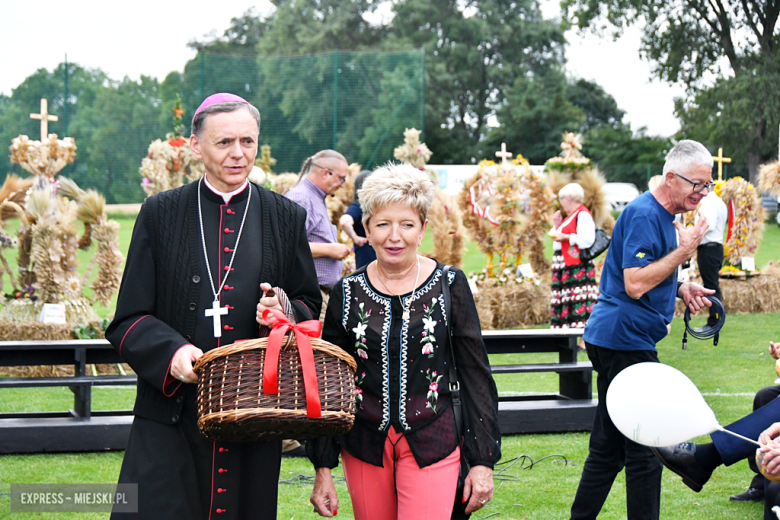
(215, 312)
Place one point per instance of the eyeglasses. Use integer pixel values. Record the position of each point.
(342, 179)
(698, 186)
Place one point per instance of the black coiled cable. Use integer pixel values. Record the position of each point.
(707, 331)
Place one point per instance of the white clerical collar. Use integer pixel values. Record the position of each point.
(225, 196)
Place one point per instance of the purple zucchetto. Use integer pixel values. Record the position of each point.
(222, 97)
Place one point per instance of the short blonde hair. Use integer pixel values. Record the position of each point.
(396, 184)
(573, 191)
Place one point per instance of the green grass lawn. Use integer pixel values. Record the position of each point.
(728, 375)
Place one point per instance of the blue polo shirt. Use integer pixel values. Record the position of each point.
(643, 234)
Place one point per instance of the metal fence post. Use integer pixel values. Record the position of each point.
(202, 75)
(335, 98)
(65, 101)
(422, 94)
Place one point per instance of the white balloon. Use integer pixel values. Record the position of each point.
(657, 405)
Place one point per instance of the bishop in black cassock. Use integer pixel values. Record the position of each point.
(161, 313)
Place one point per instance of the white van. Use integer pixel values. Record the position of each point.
(619, 194)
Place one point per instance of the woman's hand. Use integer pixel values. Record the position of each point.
(561, 237)
(557, 218)
(478, 484)
(323, 496)
(774, 349)
(268, 301)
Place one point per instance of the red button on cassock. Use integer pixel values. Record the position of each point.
(221, 511)
(222, 470)
(228, 327)
(231, 212)
(223, 449)
(220, 490)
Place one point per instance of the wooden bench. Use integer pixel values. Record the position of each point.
(571, 409)
(78, 429)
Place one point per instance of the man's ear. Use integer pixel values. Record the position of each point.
(195, 146)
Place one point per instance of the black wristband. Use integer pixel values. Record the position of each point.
(679, 284)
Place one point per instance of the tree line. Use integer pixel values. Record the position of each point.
(493, 72)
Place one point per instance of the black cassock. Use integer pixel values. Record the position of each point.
(161, 307)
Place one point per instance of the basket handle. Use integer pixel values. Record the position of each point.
(303, 331)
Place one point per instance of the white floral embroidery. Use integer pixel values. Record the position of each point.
(360, 330)
(361, 279)
(416, 296)
(430, 324)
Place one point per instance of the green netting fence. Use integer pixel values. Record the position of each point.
(358, 103)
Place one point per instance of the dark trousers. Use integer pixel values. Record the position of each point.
(762, 398)
(710, 259)
(733, 449)
(771, 499)
(610, 451)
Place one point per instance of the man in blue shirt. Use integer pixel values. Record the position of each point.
(638, 289)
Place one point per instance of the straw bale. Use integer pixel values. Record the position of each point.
(37, 331)
(513, 305)
(753, 294)
(77, 312)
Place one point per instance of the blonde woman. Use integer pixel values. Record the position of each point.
(402, 458)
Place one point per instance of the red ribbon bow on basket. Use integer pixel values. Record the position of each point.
(280, 326)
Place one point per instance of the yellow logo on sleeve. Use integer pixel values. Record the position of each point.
(640, 255)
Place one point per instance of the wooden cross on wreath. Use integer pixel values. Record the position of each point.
(720, 160)
(45, 117)
(504, 155)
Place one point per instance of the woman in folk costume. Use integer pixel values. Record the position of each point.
(403, 456)
(574, 287)
(200, 262)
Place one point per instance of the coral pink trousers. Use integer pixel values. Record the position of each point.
(401, 489)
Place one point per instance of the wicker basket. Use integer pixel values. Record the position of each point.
(232, 406)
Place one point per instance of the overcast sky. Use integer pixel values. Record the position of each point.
(150, 38)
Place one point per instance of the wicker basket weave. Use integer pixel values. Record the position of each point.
(232, 406)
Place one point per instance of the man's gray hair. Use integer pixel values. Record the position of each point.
(685, 155)
(397, 184)
(231, 106)
(322, 154)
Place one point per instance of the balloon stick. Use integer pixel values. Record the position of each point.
(724, 430)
